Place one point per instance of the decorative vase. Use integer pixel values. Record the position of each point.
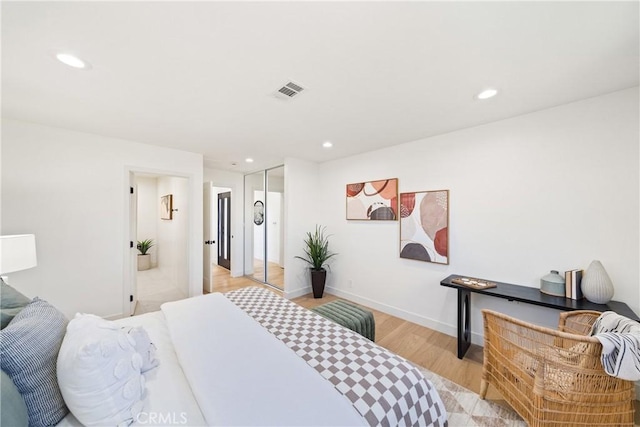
(596, 284)
(553, 284)
(318, 279)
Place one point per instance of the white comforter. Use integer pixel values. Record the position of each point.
(241, 374)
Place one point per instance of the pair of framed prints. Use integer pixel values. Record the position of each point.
(423, 215)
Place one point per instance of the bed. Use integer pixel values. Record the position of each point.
(252, 358)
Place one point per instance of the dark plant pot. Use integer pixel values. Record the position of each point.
(318, 279)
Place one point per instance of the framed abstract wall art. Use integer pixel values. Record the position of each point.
(424, 226)
(166, 207)
(374, 200)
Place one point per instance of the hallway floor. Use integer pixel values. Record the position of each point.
(154, 289)
(223, 282)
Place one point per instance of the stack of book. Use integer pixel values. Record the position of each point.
(572, 280)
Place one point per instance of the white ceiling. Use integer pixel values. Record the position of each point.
(199, 76)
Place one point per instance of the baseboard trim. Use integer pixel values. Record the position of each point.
(451, 330)
(115, 316)
(296, 293)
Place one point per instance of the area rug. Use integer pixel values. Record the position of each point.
(466, 409)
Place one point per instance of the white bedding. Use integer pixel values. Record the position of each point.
(221, 366)
(243, 375)
(168, 398)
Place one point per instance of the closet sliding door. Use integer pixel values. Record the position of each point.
(254, 248)
(275, 227)
(264, 226)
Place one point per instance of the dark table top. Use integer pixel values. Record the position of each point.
(533, 296)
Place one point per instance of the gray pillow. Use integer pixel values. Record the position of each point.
(13, 411)
(11, 303)
(28, 354)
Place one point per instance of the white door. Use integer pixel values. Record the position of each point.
(133, 238)
(207, 278)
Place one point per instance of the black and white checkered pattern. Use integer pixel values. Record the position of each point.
(384, 388)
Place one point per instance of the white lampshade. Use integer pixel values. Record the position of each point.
(17, 252)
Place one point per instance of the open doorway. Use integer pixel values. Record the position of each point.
(224, 230)
(162, 223)
(217, 237)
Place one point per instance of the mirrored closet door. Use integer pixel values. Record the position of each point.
(264, 226)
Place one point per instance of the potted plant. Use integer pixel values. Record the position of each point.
(144, 259)
(316, 255)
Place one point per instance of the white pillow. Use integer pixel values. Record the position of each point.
(143, 346)
(99, 372)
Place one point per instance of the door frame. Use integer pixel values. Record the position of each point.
(133, 254)
(210, 217)
(234, 182)
(208, 242)
(128, 277)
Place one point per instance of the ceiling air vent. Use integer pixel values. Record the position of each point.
(289, 90)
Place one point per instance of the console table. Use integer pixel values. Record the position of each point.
(523, 294)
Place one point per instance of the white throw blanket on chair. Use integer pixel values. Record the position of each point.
(620, 338)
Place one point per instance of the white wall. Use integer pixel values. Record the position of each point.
(148, 213)
(301, 214)
(173, 234)
(71, 190)
(235, 182)
(554, 189)
(0, 184)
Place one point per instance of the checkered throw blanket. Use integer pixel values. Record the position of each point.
(383, 387)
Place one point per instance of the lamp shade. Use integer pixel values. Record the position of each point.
(17, 252)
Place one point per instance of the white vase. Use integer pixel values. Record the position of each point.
(144, 262)
(596, 284)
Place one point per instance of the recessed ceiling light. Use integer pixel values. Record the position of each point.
(248, 160)
(327, 144)
(72, 61)
(487, 93)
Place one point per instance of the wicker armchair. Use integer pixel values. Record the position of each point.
(551, 377)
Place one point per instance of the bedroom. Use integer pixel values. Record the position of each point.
(543, 176)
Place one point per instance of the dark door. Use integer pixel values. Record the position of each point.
(224, 230)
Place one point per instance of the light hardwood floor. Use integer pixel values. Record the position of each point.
(423, 346)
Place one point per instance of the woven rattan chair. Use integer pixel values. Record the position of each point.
(553, 378)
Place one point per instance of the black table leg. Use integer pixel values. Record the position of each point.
(464, 321)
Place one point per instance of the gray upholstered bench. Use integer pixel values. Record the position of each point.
(350, 316)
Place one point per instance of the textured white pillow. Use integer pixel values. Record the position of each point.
(143, 346)
(99, 372)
